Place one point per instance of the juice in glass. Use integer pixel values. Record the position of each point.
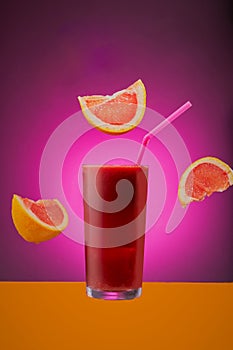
(115, 217)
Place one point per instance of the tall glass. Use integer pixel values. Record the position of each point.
(114, 198)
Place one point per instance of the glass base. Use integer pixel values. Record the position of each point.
(114, 295)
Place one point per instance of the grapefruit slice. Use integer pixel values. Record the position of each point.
(202, 178)
(117, 113)
(38, 221)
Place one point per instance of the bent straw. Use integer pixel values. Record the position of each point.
(160, 127)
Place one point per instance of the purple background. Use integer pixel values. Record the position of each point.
(52, 53)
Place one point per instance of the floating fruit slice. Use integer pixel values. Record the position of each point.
(117, 113)
(202, 178)
(38, 221)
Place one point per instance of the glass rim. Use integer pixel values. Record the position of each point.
(114, 165)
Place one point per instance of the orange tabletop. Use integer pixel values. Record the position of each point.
(59, 315)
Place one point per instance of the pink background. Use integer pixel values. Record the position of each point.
(51, 54)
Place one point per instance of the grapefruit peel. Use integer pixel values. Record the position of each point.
(184, 198)
(30, 226)
(114, 107)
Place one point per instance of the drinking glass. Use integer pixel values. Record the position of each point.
(114, 198)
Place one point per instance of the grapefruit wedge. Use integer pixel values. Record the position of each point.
(202, 178)
(38, 221)
(117, 113)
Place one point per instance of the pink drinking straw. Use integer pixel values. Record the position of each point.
(160, 127)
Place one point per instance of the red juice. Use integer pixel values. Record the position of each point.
(114, 199)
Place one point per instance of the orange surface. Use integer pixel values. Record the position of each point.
(167, 316)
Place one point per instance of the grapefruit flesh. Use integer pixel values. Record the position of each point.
(205, 179)
(47, 211)
(117, 111)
